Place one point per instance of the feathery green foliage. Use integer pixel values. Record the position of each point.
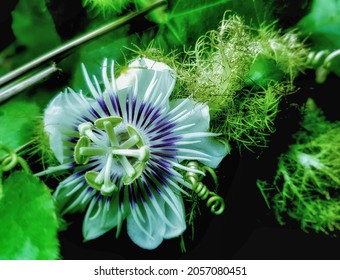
(241, 72)
(306, 186)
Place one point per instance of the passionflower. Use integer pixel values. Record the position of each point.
(125, 144)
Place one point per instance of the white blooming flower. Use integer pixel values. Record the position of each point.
(125, 144)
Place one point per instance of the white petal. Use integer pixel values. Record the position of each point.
(176, 215)
(197, 118)
(101, 216)
(154, 80)
(95, 91)
(147, 234)
(72, 198)
(216, 150)
(59, 119)
(195, 125)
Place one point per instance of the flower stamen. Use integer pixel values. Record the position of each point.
(83, 142)
(89, 144)
(142, 154)
(108, 187)
(130, 171)
(132, 141)
(85, 129)
(91, 151)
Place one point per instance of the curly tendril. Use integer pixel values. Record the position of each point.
(11, 159)
(214, 201)
(322, 60)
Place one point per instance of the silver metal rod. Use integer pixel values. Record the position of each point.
(15, 88)
(66, 48)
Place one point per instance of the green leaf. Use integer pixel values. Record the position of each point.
(186, 21)
(17, 121)
(33, 28)
(322, 26)
(323, 23)
(28, 220)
